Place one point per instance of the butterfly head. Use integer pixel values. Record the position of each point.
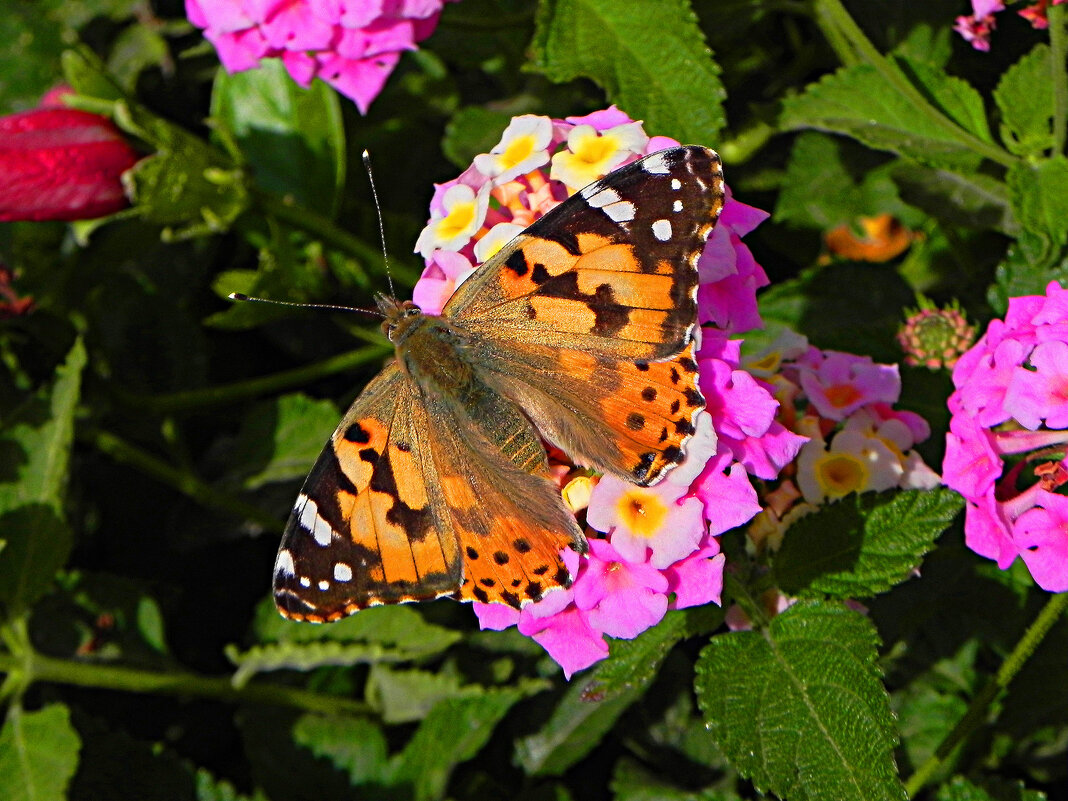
(398, 316)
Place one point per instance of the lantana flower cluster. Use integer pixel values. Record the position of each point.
(843, 404)
(977, 26)
(1008, 437)
(651, 548)
(353, 46)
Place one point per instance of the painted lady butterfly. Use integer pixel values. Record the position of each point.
(580, 331)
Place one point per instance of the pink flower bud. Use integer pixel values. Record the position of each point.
(61, 164)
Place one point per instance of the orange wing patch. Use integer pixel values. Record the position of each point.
(652, 408)
(364, 531)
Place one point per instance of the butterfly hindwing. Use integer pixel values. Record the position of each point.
(507, 515)
(409, 501)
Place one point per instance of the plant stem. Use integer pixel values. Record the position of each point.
(185, 482)
(977, 710)
(198, 399)
(832, 12)
(1058, 42)
(127, 679)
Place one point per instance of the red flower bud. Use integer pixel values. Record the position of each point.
(61, 164)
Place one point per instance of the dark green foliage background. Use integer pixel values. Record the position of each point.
(153, 435)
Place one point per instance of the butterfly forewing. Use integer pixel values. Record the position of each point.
(586, 318)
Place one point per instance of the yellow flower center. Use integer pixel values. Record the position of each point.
(642, 512)
(841, 473)
(842, 395)
(596, 149)
(457, 221)
(518, 150)
(769, 363)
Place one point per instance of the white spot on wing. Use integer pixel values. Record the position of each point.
(620, 212)
(305, 581)
(324, 585)
(598, 195)
(323, 532)
(313, 522)
(308, 512)
(342, 572)
(662, 230)
(284, 563)
(677, 205)
(655, 164)
(676, 184)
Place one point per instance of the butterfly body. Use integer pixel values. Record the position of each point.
(579, 332)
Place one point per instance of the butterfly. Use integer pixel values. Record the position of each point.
(579, 331)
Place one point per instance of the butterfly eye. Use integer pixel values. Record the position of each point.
(412, 311)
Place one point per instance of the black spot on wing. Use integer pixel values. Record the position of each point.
(358, 434)
(517, 262)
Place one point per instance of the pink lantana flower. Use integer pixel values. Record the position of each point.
(657, 523)
(836, 410)
(439, 280)
(837, 384)
(1008, 438)
(977, 26)
(620, 598)
(655, 547)
(352, 46)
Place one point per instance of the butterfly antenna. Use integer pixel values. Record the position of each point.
(329, 306)
(381, 226)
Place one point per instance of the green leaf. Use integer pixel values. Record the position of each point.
(186, 185)
(209, 788)
(38, 754)
(817, 190)
(291, 137)
(577, 725)
(397, 626)
(386, 634)
(858, 102)
(830, 181)
(925, 718)
(1026, 270)
(650, 58)
(631, 782)
(863, 544)
(309, 656)
(1025, 98)
(406, 696)
(279, 439)
(31, 40)
(960, 789)
(37, 438)
(453, 732)
(806, 716)
(974, 200)
(136, 49)
(36, 444)
(354, 745)
(633, 664)
(848, 307)
(1039, 199)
